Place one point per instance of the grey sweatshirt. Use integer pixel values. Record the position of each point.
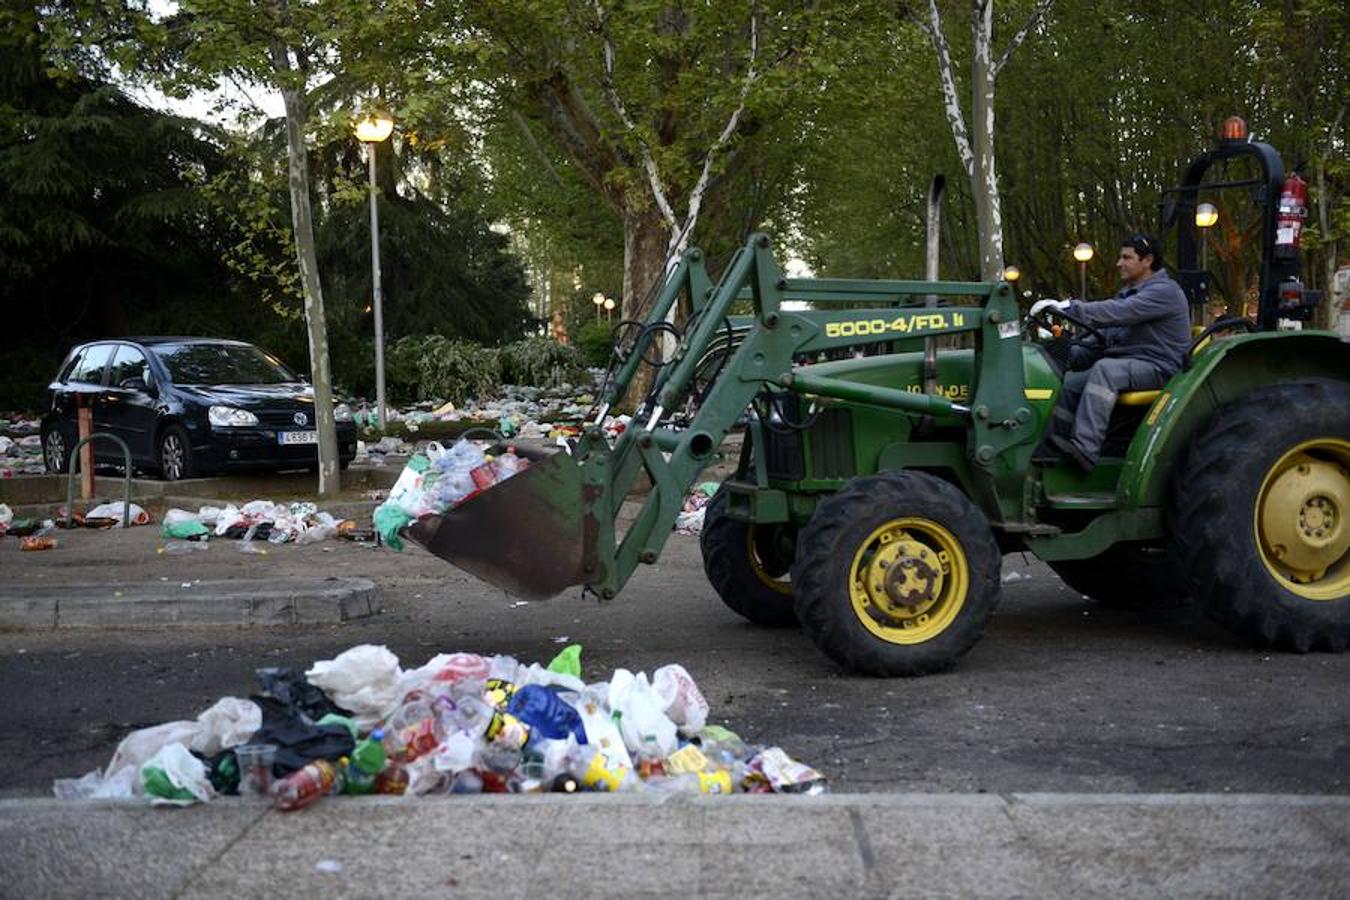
(1150, 321)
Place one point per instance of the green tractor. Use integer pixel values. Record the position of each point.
(875, 495)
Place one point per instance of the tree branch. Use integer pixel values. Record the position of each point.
(1042, 7)
(696, 195)
(612, 94)
(533, 143)
(952, 102)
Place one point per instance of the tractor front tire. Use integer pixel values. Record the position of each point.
(745, 570)
(1260, 516)
(896, 574)
(1128, 576)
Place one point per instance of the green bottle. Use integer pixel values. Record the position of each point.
(367, 761)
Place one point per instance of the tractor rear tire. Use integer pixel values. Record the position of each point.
(1128, 576)
(747, 575)
(896, 574)
(1260, 516)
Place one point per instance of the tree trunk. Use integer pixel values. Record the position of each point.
(984, 180)
(302, 222)
(645, 240)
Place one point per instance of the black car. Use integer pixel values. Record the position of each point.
(187, 407)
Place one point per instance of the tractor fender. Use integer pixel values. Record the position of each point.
(1222, 373)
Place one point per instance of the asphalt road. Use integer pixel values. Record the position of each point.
(1062, 695)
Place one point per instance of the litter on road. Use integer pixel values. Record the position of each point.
(460, 723)
(256, 521)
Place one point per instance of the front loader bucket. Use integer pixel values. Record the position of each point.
(530, 534)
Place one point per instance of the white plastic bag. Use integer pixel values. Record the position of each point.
(137, 516)
(643, 722)
(684, 702)
(364, 679)
(93, 786)
(141, 745)
(229, 723)
(184, 771)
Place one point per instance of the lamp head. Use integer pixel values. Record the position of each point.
(1206, 215)
(598, 299)
(374, 127)
(1083, 252)
(1011, 274)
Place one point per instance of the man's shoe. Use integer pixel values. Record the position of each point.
(1071, 452)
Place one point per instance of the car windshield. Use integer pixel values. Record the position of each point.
(221, 364)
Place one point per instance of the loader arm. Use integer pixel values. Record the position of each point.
(673, 457)
(555, 524)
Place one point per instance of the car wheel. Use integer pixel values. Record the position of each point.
(54, 453)
(175, 454)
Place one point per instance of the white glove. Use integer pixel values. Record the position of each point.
(1043, 304)
(1041, 333)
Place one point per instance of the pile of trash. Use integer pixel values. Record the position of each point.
(440, 479)
(36, 534)
(690, 519)
(459, 724)
(518, 411)
(21, 455)
(254, 524)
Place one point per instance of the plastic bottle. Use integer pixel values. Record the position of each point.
(368, 760)
(304, 786)
(178, 548)
(413, 730)
(392, 780)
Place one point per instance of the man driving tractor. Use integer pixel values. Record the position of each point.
(1140, 336)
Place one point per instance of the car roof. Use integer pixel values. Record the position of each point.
(151, 341)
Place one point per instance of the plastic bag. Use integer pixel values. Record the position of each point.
(139, 746)
(388, 519)
(643, 721)
(113, 510)
(568, 661)
(684, 702)
(174, 776)
(93, 785)
(547, 714)
(364, 680)
(228, 723)
(298, 742)
(181, 524)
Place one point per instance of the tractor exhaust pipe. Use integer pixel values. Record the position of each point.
(930, 272)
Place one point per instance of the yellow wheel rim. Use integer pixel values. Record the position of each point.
(781, 584)
(1300, 519)
(908, 580)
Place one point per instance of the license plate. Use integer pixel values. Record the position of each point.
(297, 437)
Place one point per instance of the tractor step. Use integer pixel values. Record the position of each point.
(1083, 500)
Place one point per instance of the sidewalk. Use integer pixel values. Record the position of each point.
(902, 845)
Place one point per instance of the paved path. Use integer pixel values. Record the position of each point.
(899, 845)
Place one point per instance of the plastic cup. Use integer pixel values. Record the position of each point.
(255, 768)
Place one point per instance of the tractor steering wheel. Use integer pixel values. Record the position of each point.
(1042, 319)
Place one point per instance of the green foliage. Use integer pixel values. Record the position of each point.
(595, 340)
(542, 362)
(433, 367)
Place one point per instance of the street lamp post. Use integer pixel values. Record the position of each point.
(1083, 252)
(371, 131)
(599, 300)
(609, 308)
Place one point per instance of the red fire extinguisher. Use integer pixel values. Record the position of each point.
(1293, 209)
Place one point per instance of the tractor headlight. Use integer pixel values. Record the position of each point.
(230, 416)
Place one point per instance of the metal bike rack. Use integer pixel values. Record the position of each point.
(126, 478)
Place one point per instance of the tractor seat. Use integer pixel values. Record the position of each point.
(1138, 398)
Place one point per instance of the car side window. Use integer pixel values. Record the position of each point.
(89, 369)
(127, 363)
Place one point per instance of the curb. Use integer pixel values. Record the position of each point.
(260, 603)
